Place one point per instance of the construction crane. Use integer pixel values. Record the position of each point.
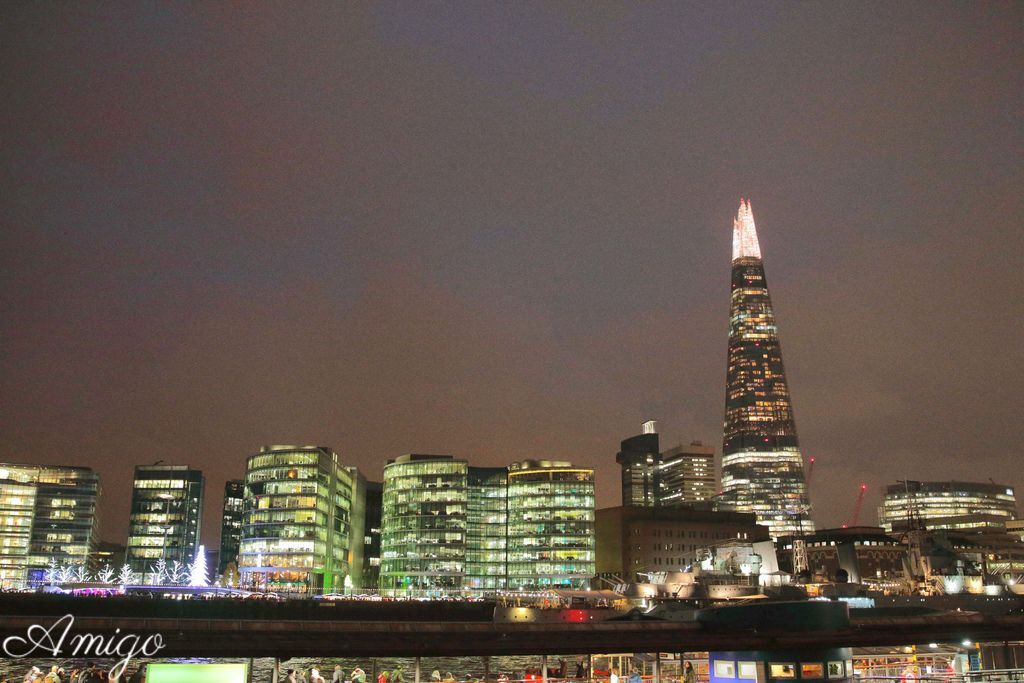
(860, 501)
(810, 472)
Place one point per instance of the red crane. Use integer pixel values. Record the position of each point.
(860, 501)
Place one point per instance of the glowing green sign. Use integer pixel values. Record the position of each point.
(196, 673)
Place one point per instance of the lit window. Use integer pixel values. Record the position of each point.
(812, 670)
(747, 670)
(780, 670)
(725, 669)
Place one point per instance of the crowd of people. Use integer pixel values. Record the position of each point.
(90, 673)
(535, 675)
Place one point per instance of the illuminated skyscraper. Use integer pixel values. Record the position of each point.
(762, 469)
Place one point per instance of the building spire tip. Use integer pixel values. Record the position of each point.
(744, 234)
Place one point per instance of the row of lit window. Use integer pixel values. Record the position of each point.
(808, 670)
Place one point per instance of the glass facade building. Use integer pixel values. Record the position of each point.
(762, 467)
(947, 505)
(231, 524)
(423, 534)
(47, 514)
(486, 523)
(302, 512)
(447, 526)
(165, 518)
(550, 525)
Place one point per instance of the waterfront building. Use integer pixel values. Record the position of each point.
(47, 515)
(863, 552)
(486, 528)
(302, 523)
(423, 534)
(947, 505)
(687, 475)
(231, 524)
(633, 539)
(550, 525)
(762, 468)
(165, 517)
(371, 535)
(640, 461)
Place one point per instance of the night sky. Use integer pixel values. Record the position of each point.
(503, 231)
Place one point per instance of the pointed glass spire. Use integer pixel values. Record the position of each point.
(744, 235)
(762, 467)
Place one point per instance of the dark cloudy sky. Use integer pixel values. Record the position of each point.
(503, 231)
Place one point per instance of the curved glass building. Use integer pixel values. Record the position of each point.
(550, 525)
(423, 531)
(300, 520)
(947, 505)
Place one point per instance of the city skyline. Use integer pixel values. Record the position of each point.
(505, 234)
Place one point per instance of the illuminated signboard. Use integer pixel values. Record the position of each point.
(196, 673)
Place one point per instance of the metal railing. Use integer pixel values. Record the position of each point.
(985, 676)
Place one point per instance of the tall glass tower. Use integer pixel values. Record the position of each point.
(762, 469)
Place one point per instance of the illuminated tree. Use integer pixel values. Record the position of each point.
(178, 573)
(160, 571)
(125, 576)
(65, 574)
(105, 574)
(198, 572)
(53, 573)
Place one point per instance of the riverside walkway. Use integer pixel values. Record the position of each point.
(223, 629)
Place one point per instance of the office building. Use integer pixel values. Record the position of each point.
(640, 460)
(959, 505)
(653, 478)
(371, 534)
(550, 525)
(762, 468)
(231, 524)
(687, 475)
(423, 534)
(633, 540)
(302, 523)
(165, 517)
(486, 526)
(47, 515)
